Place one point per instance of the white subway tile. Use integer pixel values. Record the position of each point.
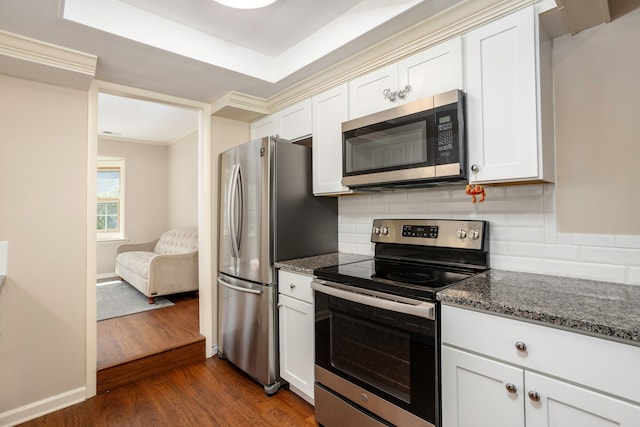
(616, 256)
(519, 234)
(347, 228)
(550, 228)
(497, 247)
(627, 241)
(415, 209)
(362, 249)
(502, 262)
(451, 207)
(389, 197)
(429, 195)
(564, 238)
(347, 248)
(584, 270)
(533, 191)
(634, 275)
(526, 219)
(549, 198)
(511, 205)
(593, 239)
(363, 228)
(542, 250)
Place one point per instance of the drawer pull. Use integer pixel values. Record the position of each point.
(534, 395)
(292, 285)
(511, 388)
(520, 346)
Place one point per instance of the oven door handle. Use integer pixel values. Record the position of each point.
(426, 310)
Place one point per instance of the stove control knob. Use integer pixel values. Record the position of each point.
(474, 234)
(462, 234)
(384, 231)
(376, 230)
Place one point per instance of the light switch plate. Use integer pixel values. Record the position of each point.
(4, 256)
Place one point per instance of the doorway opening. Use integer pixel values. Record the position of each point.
(160, 145)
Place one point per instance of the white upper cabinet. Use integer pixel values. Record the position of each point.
(330, 109)
(266, 126)
(509, 100)
(292, 122)
(432, 71)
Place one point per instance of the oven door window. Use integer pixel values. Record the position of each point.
(376, 355)
(393, 355)
(392, 145)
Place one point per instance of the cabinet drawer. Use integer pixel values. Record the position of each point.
(295, 285)
(599, 363)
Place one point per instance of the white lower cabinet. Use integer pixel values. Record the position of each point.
(480, 392)
(502, 372)
(296, 325)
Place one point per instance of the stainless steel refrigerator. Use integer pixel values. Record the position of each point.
(267, 214)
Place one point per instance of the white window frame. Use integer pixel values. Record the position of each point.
(114, 163)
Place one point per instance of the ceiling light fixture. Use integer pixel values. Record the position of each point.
(246, 4)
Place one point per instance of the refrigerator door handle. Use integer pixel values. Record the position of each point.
(232, 210)
(240, 186)
(239, 289)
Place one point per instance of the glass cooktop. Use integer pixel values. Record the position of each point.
(406, 279)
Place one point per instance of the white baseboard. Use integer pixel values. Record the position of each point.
(106, 275)
(42, 407)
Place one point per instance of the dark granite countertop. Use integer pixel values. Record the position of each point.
(602, 309)
(307, 265)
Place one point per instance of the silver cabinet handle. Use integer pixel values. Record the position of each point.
(521, 346)
(239, 289)
(511, 388)
(534, 395)
(475, 168)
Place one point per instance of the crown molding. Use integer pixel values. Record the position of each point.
(451, 22)
(239, 106)
(33, 59)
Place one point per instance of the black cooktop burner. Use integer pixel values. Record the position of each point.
(407, 279)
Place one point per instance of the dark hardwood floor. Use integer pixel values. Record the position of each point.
(208, 393)
(147, 376)
(148, 343)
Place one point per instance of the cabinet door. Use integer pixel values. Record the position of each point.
(501, 98)
(432, 71)
(296, 321)
(366, 93)
(330, 109)
(295, 120)
(479, 392)
(266, 126)
(563, 404)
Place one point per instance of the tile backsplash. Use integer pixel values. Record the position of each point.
(523, 230)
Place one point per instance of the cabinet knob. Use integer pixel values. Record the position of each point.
(520, 346)
(511, 388)
(279, 305)
(475, 168)
(534, 395)
(292, 285)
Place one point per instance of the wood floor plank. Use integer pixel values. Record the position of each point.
(209, 393)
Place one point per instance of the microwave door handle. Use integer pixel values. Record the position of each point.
(425, 310)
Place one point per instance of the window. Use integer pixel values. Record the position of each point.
(110, 198)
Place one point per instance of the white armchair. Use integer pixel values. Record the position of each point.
(164, 266)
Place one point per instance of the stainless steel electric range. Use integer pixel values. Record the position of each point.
(377, 330)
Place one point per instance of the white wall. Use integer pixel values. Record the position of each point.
(43, 171)
(597, 108)
(183, 182)
(146, 192)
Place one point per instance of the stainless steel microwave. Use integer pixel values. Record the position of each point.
(420, 143)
